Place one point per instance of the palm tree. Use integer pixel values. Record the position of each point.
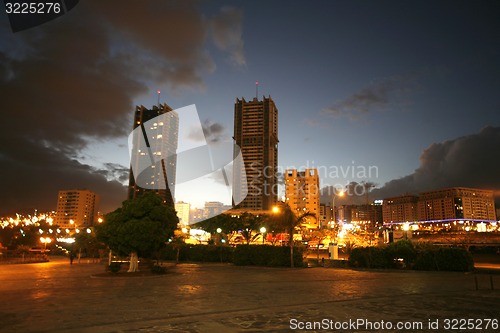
(248, 224)
(288, 221)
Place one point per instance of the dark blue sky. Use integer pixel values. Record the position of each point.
(357, 83)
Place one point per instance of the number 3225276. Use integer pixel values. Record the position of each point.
(32, 8)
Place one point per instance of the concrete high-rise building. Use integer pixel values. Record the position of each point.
(196, 215)
(400, 209)
(325, 214)
(183, 210)
(457, 203)
(161, 140)
(76, 208)
(213, 208)
(302, 193)
(256, 133)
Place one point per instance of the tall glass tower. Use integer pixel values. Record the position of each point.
(154, 152)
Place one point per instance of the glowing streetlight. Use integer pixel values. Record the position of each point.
(341, 193)
(44, 241)
(276, 209)
(263, 231)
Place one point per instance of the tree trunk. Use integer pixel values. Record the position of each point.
(291, 248)
(177, 255)
(134, 262)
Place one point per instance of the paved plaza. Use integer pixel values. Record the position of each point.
(57, 297)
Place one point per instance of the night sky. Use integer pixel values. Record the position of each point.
(409, 87)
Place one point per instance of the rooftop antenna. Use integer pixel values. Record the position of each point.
(257, 90)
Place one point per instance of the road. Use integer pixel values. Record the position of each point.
(57, 297)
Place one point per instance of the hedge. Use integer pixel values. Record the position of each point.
(403, 254)
(267, 255)
(259, 255)
(198, 253)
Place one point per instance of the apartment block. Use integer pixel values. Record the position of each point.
(76, 208)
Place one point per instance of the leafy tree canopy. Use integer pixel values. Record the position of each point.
(141, 225)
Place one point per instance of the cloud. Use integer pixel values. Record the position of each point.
(377, 96)
(227, 33)
(75, 79)
(212, 132)
(115, 172)
(32, 175)
(469, 161)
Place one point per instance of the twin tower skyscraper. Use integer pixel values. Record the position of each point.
(254, 179)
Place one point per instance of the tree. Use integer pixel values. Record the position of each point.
(88, 244)
(286, 219)
(141, 227)
(320, 235)
(248, 224)
(177, 242)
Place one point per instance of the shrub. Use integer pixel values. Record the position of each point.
(200, 253)
(421, 257)
(402, 249)
(370, 257)
(266, 255)
(114, 267)
(157, 269)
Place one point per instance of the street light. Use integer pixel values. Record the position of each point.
(263, 231)
(44, 241)
(340, 194)
(406, 227)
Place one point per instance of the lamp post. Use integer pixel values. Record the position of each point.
(334, 196)
(406, 227)
(263, 232)
(44, 241)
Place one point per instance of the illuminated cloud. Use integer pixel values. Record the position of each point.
(75, 79)
(469, 161)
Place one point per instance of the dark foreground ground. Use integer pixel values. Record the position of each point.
(57, 297)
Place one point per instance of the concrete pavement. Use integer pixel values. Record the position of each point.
(57, 297)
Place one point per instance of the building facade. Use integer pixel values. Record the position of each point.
(400, 209)
(161, 138)
(256, 134)
(76, 208)
(302, 193)
(213, 208)
(183, 210)
(457, 203)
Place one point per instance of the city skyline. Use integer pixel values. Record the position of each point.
(408, 88)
